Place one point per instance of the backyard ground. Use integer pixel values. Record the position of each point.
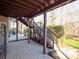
(70, 42)
(70, 48)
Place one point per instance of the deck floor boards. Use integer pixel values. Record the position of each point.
(23, 50)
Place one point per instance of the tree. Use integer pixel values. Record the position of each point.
(40, 23)
(52, 17)
(58, 30)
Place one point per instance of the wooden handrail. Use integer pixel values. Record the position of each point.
(43, 30)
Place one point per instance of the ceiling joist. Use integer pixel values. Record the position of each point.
(28, 8)
(13, 7)
(16, 4)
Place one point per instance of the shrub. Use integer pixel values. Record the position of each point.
(58, 30)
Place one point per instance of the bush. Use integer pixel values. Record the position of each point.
(58, 30)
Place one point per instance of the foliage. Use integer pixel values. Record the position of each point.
(58, 30)
(40, 23)
(52, 18)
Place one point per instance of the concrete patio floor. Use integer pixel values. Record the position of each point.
(23, 50)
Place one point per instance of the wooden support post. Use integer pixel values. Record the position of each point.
(45, 33)
(33, 32)
(5, 42)
(16, 30)
(21, 28)
(33, 29)
(28, 31)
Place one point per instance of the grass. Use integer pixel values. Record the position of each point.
(71, 42)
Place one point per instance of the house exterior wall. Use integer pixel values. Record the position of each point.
(3, 18)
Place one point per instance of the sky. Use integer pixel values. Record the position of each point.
(62, 13)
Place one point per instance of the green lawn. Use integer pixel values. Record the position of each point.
(71, 42)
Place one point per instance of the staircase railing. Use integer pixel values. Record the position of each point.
(40, 31)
